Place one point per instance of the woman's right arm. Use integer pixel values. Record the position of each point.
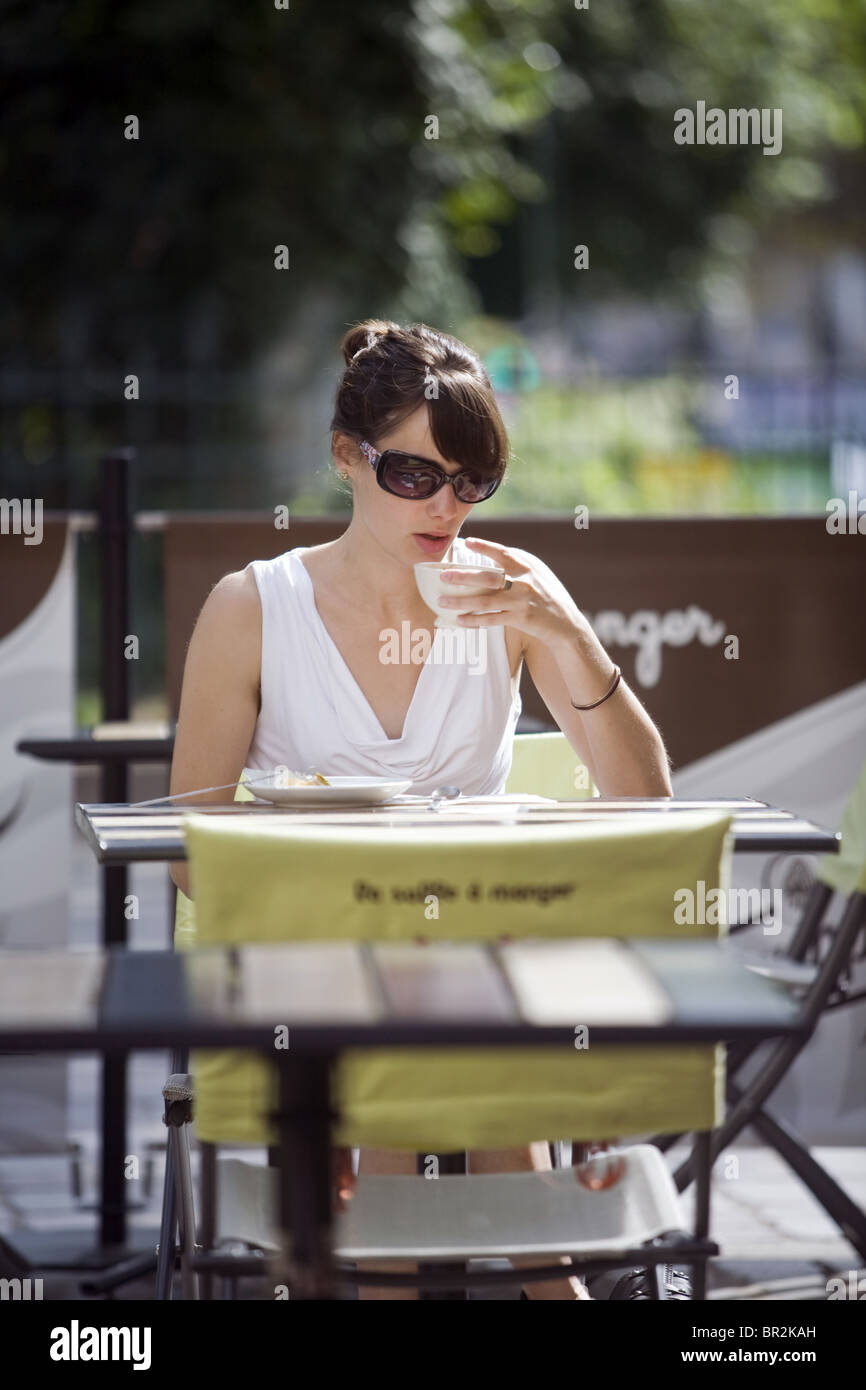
(221, 696)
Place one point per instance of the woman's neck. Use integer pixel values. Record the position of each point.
(362, 570)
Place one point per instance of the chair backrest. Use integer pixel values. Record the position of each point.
(184, 911)
(845, 872)
(547, 765)
(613, 878)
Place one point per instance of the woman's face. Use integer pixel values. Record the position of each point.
(409, 531)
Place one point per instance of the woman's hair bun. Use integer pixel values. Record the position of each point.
(364, 335)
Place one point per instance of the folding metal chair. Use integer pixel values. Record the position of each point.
(544, 764)
(816, 965)
(651, 862)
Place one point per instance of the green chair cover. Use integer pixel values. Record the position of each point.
(614, 878)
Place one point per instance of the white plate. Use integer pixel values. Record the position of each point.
(342, 791)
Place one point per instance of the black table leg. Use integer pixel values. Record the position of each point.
(304, 1121)
(114, 546)
(112, 1221)
(703, 1161)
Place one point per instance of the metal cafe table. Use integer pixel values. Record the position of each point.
(112, 747)
(475, 995)
(121, 834)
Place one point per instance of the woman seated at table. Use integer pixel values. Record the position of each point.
(291, 661)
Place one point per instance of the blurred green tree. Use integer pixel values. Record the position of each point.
(310, 127)
(649, 208)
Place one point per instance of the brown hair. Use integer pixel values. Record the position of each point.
(388, 372)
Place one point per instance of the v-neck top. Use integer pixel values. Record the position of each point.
(459, 727)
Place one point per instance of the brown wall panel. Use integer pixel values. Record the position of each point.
(791, 593)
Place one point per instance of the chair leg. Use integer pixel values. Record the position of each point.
(207, 1187)
(177, 1114)
(804, 938)
(560, 1153)
(850, 1219)
(185, 1209)
(743, 1113)
(167, 1228)
(810, 921)
(785, 1052)
(75, 1171)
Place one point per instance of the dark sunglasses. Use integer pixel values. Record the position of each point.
(407, 475)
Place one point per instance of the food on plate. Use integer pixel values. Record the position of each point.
(285, 778)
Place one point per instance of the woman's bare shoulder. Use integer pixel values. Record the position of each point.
(229, 627)
(235, 598)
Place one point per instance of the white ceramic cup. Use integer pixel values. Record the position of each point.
(432, 588)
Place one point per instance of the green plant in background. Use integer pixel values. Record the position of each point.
(628, 447)
(623, 448)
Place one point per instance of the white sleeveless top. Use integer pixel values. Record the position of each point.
(314, 716)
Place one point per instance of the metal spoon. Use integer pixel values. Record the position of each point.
(441, 794)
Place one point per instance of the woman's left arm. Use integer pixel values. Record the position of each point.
(618, 742)
(626, 754)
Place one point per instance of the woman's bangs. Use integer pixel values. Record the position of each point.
(467, 427)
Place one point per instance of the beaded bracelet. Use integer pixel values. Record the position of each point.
(606, 695)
